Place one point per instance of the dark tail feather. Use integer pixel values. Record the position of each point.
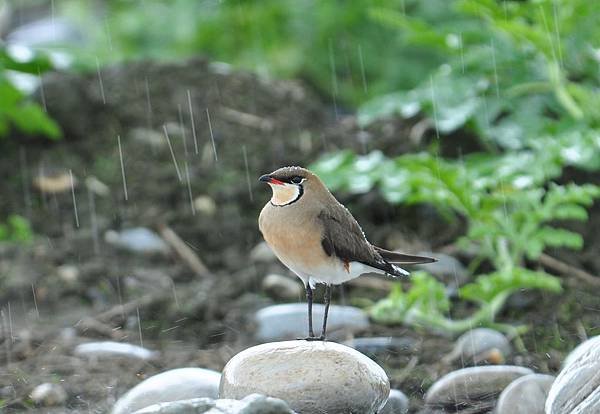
(400, 258)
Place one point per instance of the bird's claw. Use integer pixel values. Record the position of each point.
(313, 338)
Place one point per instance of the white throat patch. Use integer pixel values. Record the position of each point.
(284, 194)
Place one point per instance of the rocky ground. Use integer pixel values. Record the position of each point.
(189, 285)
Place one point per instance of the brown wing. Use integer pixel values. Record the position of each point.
(343, 238)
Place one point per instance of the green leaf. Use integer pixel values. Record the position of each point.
(486, 287)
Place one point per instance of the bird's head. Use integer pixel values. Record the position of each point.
(290, 184)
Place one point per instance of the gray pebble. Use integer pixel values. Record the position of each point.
(397, 403)
(311, 376)
(577, 387)
(252, 404)
(48, 394)
(111, 349)
(480, 345)
(137, 240)
(262, 253)
(290, 321)
(173, 385)
(447, 268)
(382, 345)
(282, 287)
(468, 385)
(525, 395)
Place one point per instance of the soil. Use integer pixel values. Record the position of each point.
(256, 125)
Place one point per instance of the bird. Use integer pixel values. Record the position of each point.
(318, 239)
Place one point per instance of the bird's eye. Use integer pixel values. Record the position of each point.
(296, 179)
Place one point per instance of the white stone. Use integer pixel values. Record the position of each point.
(525, 395)
(262, 253)
(577, 387)
(470, 384)
(311, 376)
(252, 404)
(107, 349)
(138, 240)
(173, 385)
(282, 287)
(397, 403)
(480, 344)
(290, 321)
(48, 394)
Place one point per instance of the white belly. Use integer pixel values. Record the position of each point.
(331, 273)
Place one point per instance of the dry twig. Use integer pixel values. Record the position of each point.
(184, 252)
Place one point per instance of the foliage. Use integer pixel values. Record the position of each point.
(16, 229)
(520, 74)
(15, 108)
(510, 216)
(334, 45)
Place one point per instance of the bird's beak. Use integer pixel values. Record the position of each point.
(268, 179)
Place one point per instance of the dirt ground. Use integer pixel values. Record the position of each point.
(243, 127)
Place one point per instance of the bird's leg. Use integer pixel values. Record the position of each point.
(327, 300)
(309, 300)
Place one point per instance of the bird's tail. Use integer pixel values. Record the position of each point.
(401, 258)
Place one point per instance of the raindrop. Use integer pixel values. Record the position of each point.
(212, 138)
(74, 200)
(247, 172)
(100, 83)
(172, 153)
(189, 96)
(122, 168)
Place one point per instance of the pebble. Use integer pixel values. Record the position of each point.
(525, 395)
(577, 388)
(311, 376)
(68, 273)
(397, 403)
(382, 345)
(466, 386)
(173, 385)
(108, 349)
(137, 240)
(252, 404)
(48, 394)
(262, 253)
(290, 321)
(480, 345)
(447, 269)
(282, 287)
(205, 205)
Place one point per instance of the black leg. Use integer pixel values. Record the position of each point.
(327, 300)
(309, 299)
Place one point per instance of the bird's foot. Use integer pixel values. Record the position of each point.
(313, 338)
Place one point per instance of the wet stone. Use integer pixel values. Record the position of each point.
(311, 376)
(290, 321)
(525, 395)
(48, 394)
(110, 349)
(137, 240)
(469, 386)
(397, 403)
(382, 345)
(173, 385)
(282, 287)
(252, 404)
(447, 269)
(262, 253)
(577, 387)
(479, 346)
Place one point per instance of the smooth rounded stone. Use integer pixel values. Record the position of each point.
(137, 240)
(262, 253)
(480, 345)
(311, 376)
(48, 394)
(173, 385)
(467, 385)
(282, 287)
(252, 404)
(108, 349)
(291, 320)
(397, 403)
(525, 395)
(378, 345)
(576, 390)
(447, 268)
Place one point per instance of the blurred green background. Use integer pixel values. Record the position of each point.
(521, 77)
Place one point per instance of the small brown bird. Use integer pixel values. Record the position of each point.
(317, 238)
